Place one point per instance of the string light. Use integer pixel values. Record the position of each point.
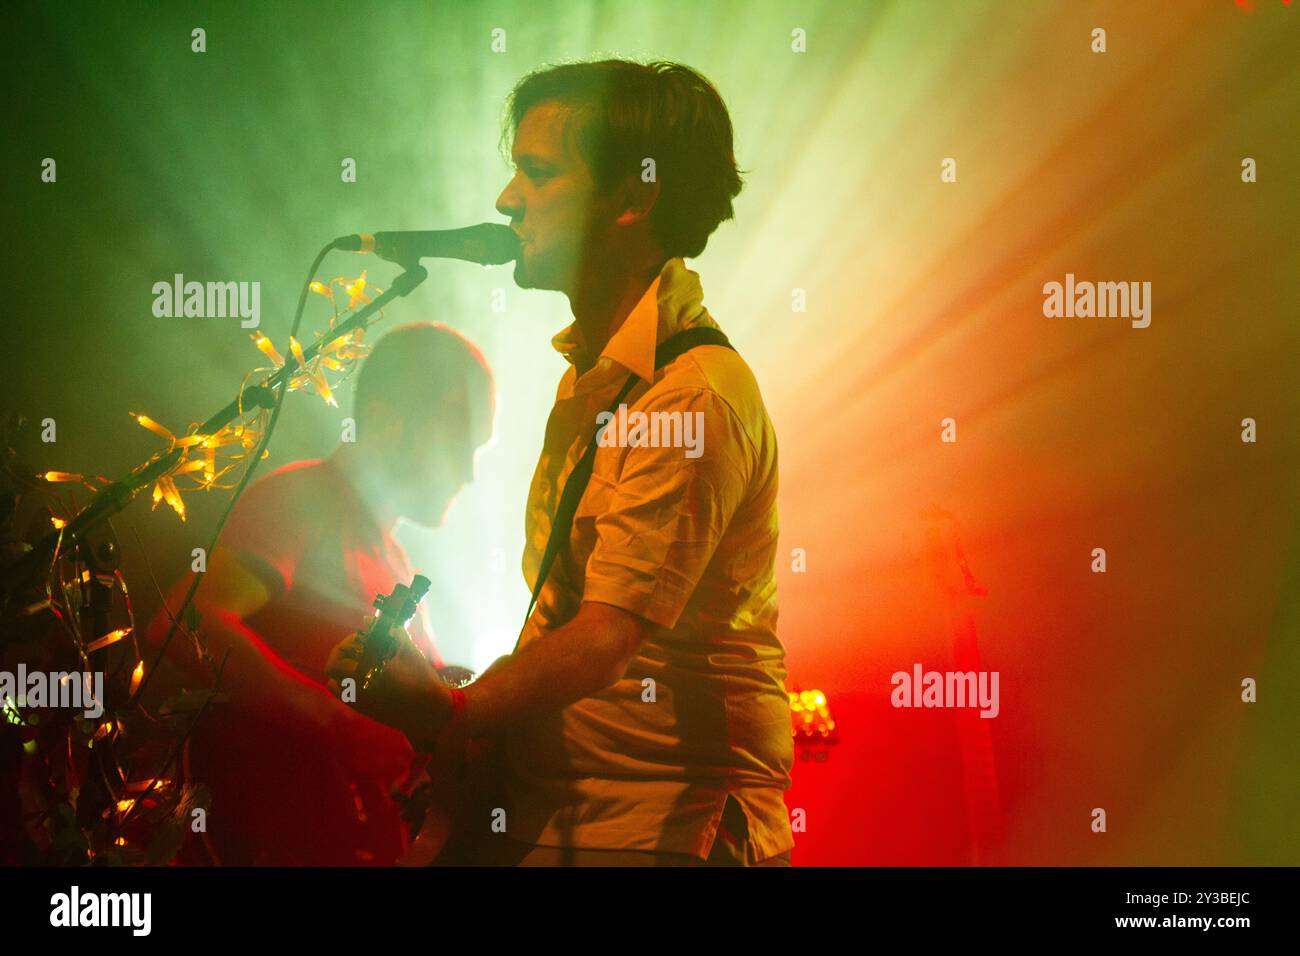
(810, 717)
(337, 354)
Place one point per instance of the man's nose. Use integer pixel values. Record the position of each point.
(508, 203)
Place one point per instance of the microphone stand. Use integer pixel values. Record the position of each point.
(88, 536)
(120, 493)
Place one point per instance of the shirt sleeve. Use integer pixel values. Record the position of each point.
(669, 509)
(266, 533)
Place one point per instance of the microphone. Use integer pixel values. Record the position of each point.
(490, 244)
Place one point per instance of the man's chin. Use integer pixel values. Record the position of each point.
(527, 278)
(542, 277)
(429, 520)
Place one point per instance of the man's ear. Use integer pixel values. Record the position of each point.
(382, 424)
(637, 200)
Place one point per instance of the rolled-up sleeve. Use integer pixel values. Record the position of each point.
(668, 511)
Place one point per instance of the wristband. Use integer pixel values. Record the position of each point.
(449, 732)
(457, 709)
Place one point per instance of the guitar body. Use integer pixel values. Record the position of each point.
(460, 782)
(464, 786)
(280, 797)
(280, 794)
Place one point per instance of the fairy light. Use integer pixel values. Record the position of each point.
(165, 489)
(810, 718)
(112, 637)
(146, 422)
(357, 291)
(267, 348)
(205, 471)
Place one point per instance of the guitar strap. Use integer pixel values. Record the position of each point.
(669, 349)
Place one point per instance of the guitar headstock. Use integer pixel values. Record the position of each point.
(391, 610)
(399, 605)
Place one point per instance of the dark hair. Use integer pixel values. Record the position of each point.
(419, 366)
(632, 111)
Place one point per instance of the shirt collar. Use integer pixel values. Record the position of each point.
(673, 302)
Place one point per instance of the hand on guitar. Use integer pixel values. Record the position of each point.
(406, 694)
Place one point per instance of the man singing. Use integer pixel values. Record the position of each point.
(644, 710)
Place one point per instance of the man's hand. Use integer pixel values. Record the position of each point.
(407, 694)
